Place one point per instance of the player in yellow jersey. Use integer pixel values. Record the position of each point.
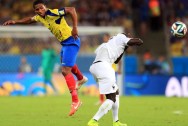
(54, 20)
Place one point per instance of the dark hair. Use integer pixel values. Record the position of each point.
(38, 2)
(107, 34)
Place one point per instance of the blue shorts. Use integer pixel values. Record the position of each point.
(69, 51)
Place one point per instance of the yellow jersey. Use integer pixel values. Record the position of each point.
(54, 20)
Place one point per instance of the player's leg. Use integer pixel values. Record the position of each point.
(44, 70)
(106, 106)
(81, 79)
(75, 70)
(69, 54)
(115, 108)
(106, 80)
(103, 109)
(49, 79)
(101, 99)
(115, 111)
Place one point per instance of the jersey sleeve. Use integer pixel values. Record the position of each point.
(123, 38)
(36, 18)
(62, 12)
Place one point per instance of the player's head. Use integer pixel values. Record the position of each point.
(40, 7)
(106, 37)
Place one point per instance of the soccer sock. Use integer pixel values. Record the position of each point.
(103, 109)
(115, 109)
(75, 70)
(101, 98)
(71, 83)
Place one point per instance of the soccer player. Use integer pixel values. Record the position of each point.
(107, 54)
(48, 61)
(116, 67)
(54, 20)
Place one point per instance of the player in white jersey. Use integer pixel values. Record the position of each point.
(107, 54)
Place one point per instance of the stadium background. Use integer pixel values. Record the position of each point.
(153, 71)
(163, 58)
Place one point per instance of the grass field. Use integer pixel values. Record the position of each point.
(53, 111)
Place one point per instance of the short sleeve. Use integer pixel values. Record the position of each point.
(123, 38)
(36, 18)
(62, 12)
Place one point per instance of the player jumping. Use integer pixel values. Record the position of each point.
(54, 20)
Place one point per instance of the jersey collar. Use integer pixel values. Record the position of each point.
(48, 12)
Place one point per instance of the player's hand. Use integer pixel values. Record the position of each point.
(10, 22)
(140, 42)
(135, 42)
(75, 32)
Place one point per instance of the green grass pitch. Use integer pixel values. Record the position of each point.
(53, 111)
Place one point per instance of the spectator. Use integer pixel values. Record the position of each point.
(164, 65)
(24, 67)
(150, 64)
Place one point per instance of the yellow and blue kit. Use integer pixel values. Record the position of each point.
(55, 21)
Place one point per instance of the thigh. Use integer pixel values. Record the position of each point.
(69, 55)
(105, 76)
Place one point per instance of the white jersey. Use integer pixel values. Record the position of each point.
(111, 50)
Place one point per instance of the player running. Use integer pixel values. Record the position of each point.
(107, 54)
(54, 20)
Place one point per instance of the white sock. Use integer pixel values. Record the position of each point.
(115, 109)
(103, 109)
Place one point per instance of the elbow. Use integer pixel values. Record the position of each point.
(73, 9)
(70, 10)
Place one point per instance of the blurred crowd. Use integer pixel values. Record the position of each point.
(144, 14)
(177, 10)
(98, 12)
(155, 65)
(138, 17)
(92, 13)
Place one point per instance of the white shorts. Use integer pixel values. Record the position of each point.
(105, 77)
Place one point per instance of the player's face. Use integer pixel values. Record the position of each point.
(40, 9)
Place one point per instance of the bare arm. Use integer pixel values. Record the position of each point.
(72, 12)
(131, 42)
(119, 71)
(26, 20)
(135, 42)
(119, 58)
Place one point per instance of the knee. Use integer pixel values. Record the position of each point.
(111, 96)
(66, 70)
(117, 92)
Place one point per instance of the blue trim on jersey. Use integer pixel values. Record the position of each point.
(48, 12)
(71, 41)
(58, 21)
(61, 10)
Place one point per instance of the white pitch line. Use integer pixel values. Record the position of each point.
(178, 112)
